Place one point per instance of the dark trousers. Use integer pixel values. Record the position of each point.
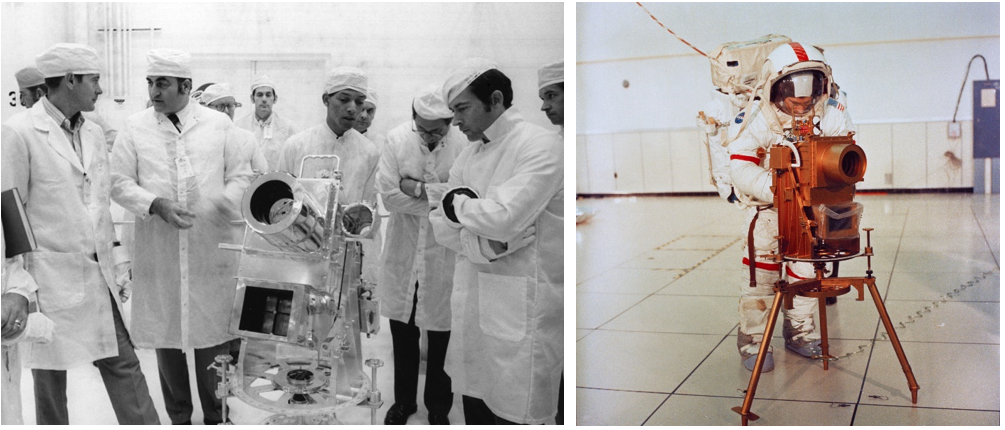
(560, 417)
(123, 378)
(476, 412)
(437, 394)
(173, 368)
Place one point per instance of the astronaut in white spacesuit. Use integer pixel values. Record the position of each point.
(797, 85)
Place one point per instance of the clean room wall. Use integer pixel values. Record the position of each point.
(402, 47)
(899, 63)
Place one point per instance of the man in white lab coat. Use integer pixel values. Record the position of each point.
(32, 88)
(220, 98)
(270, 128)
(505, 353)
(181, 169)
(365, 119)
(551, 90)
(59, 164)
(344, 95)
(415, 284)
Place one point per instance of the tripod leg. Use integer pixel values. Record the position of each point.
(824, 344)
(911, 382)
(762, 353)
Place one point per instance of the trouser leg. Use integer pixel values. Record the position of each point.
(207, 380)
(799, 327)
(124, 380)
(405, 343)
(755, 301)
(437, 393)
(476, 412)
(560, 417)
(50, 397)
(172, 367)
(11, 403)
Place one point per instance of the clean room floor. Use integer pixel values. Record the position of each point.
(657, 284)
(88, 402)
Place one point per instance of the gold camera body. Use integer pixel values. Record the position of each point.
(814, 188)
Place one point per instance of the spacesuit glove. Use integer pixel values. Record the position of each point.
(448, 203)
(495, 250)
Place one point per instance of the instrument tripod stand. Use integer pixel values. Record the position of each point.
(821, 288)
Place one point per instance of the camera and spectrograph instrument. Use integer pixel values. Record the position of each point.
(814, 188)
(300, 304)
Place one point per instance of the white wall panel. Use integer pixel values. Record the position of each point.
(876, 141)
(685, 157)
(909, 156)
(945, 157)
(656, 161)
(628, 167)
(600, 155)
(582, 166)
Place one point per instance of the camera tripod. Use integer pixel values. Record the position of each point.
(821, 288)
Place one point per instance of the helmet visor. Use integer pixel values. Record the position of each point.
(795, 94)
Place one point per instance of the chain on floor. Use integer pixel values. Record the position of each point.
(911, 319)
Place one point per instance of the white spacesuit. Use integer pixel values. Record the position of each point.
(797, 85)
(714, 123)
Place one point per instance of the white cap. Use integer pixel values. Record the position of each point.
(371, 96)
(63, 58)
(29, 77)
(462, 76)
(262, 81)
(341, 78)
(551, 73)
(169, 62)
(429, 104)
(215, 92)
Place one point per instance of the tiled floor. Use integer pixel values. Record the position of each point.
(657, 285)
(88, 402)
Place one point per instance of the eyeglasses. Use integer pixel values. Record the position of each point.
(442, 131)
(226, 106)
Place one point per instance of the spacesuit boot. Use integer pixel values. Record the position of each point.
(800, 332)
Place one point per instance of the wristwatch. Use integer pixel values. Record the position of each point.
(418, 189)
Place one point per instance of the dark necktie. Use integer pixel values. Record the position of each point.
(174, 120)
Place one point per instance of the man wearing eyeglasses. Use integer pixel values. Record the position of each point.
(219, 97)
(418, 272)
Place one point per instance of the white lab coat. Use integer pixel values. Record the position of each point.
(752, 184)
(358, 162)
(183, 284)
(412, 253)
(67, 203)
(272, 136)
(253, 152)
(506, 340)
(15, 280)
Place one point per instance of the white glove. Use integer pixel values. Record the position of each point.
(495, 250)
(123, 272)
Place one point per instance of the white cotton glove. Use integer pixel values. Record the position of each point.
(123, 272)
(38, 329)
(495, 250)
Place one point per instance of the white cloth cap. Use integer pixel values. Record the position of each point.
(215, 92)
(63, 58)
(551, 73)
(341, 78)
(371, 96)
(429, 104)
(29, 77)
(263, 81)
(169, 62)
(463, 75)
